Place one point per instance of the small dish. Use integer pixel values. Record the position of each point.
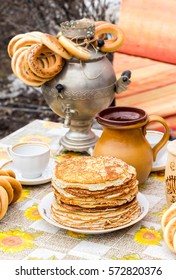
(45, 212)
(44, 178)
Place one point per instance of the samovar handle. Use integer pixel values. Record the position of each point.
(123, 82)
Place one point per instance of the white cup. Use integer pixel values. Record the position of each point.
(30, 159)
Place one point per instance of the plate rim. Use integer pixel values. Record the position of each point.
(30, 182)
(50, 196)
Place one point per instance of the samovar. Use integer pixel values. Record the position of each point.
(82, 89)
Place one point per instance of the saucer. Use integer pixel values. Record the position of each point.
(153, 137)
(160, 162)
(44, 178)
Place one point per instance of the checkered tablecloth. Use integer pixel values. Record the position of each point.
(25, 235)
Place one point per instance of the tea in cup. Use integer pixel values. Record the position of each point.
(30, 159)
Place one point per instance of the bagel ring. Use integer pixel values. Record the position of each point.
(27, 40)
(112, 44)
(7, 172)
(73, 48)
(35, 34)
(23, 73)
(3, 173)
(167, 216)
(12, 43)
(174, 242)
(53, 44)
(7, 186)
(15, 57)
(33, 54)
(3, 202)
(169, 233)
(16, 186)
(27, 72)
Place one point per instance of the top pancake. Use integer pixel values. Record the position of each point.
(93, 170)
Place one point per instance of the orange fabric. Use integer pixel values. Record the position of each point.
(150, 28)
(152, 88)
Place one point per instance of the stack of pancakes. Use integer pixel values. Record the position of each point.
(94, 193)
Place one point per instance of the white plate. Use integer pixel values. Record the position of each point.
(45, 212)
(44, 178)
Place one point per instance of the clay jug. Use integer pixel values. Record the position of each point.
(124, 130)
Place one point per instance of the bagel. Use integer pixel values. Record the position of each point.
(7, 172)
(11, 173)
(112, 44)
(167, 216)
(100, 22)
(15, 185)
(73, 48)
(24, 75)
(29, 75)
(33, 54)
(12, 43)
(34, 33)
(27, 40)
(7, 186)
(52, 43)
(15, 57)
(169, 233)
(173, 205)
(174, 242)
(3, 172)
(3, 202)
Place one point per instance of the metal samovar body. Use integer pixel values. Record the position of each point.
(78, 93)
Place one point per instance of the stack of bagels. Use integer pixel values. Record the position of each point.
(10, 190)
(168, 224)
(38, 57)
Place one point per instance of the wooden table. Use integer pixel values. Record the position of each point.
(25, 235)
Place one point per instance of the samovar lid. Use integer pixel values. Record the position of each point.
(83, 28)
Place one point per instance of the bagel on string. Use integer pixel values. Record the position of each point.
(110, 45)
(73, 48)
(15, 57)
(23, 74)
(35, 34)
(34, 52)
(27, 40)
(12, 43)
(29, 75)
(52, 43)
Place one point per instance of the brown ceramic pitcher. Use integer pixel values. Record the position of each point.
(124, 130)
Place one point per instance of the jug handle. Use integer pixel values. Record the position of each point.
(166, 135)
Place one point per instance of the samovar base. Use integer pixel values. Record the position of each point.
(79, 141)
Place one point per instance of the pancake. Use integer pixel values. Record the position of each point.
(94, 192)
(92, 219)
